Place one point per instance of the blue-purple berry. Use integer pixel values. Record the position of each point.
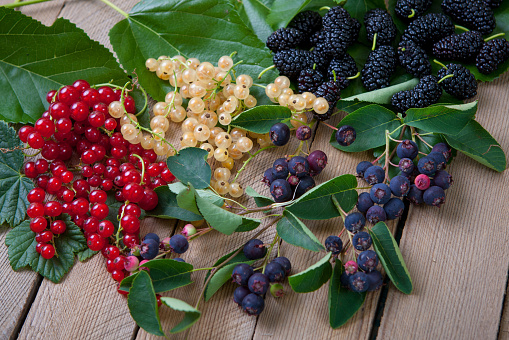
(376, 214)
(179, 259)
(367, 260)
(317, 161)
(345, 279)
(275, 272)
(258, 283)
(364, 202)
(280, 169)
(374, 175)
(149, 249)
(439, 159)
(362, 241)
(179, 244)
(240, 293)
(241, 273)
(254, 249)
(414, 195)
(434, 196)
(406, 166)
(303, 132)
(375, 280)
(354, 222)
(394, 208)
(298, 166)
(334, 244)
(427, 166)
(285, 263)
(358, 282)
(281, 190)
(442, 179)
(444, 149)
(306, 183)
(153, 236)
(279, 134)
(399, 185)
(407, 149)
(362, 167)
(380, 193)
(268, 177)
(345, 135)
(253, 304)
(294, 181)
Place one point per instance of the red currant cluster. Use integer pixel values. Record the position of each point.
(78, 123)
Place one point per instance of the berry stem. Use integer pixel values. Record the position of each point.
(117, 236)
(444, 78)
(249, 160)
(258, 85)
(332, 127)
(354, 77)
(462, 28)
(233, 53)
(324, 8)
(411, 14)
(265, 70)
(299, 149)
(422, 140)
(387, 150)
(115, 8)
(377, 159)
(266, 259)
(362, 188)
(439, 63)
(146, 100)
(494, 36)
(17, 4)
(351, 242)
(225, 198)
(142, 167)
(374, 42)
(393, 139)
(338, 207)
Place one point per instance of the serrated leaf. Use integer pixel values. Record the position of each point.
(477, 143)
(190, 167)
(260, 118)
(316, 204)
(293, 231)
(191, 314)
(14, 186)
(35, 59)
(343, 303)
(220, 278)
(370, 123)
(21, 245)
(449, 119)
(86, 254)
(260, 200)
(142, 304)
(146, 34)
(168, 208)
(313, 277)
(390, 256)
(253, 13)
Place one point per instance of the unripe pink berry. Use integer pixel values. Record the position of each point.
(188, 230)
(351, 267)
(422, 182)
(141, 263)
(131, 263)
(165, 243)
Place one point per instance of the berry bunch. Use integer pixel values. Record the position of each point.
(253, 284)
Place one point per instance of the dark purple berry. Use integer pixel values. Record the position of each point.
(444, 149)
(358, 282)
(275, 272)
(345, 279)
(179, 244)
(415, 195)
(367, 260)
(149, 249)
(375, 280)
(345, 135)
(153, 236)
(376, 214)
(427, 166)
(293, 180)
(374, 175)
(334, 244)
(268, 177)
(354, 222)
(439, 159)
(364, 202)
(394, 208)
(281, 190)
(306, 183)
(258, 283)
(285, 263)
(406, 166)
(407, 149)
(241, 274)
(253, 304)
(280, 169)
(317, 160)
(303, 132)
(298, 166)
(399, 185)
(362, 241)
(254, 249)
(279, 134)
(240, 293)
(442, 179)
(434, 196)
(362, 167)
(380, 193)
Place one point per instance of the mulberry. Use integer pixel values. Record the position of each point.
(290, 62)
(284, 39)
(379, 67)
(309, 80)
(343, 67)
(424, 94)
(462, 85)
(460, 47)
(428, 29)
(474, 14)
(414, 59)
(331, 91)
(493, 53)
(493, 3)
(404, 9)
(379, 22)
(308, 22)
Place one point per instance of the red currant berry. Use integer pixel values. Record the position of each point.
(98, 196)
(88, 157)
(59, 110)
(118, 196)
(130, 240)
(107, 184)
(109, 265)
(36, 195)
(64, 125)
(81, 85)
(99, 168)
(118, 263)
(24, 132)
(58, 227)
(131, 209)
(30, 170)
(153, 169)
(94, 181)
(150, 155)
(87, 171)
(42, 181)
(112, 252)
(117, 275)
(129, 104)
(45, 127)
(95, 242)
(68, 95)
(118, 152)
(38, 247)
(157, 182)
(50, 150)
(136, 148)
(47, 251)
(54, 184)
(35, 140)
(35, 209)
(158, 299)
(80, 206)
(81, 187)
(38, 224)
(101, 107)
(44, 237)
(133, 192)
(65, 150)
(67, 177)
(120, 291)
(99, 150)
(66, 208)
(79, 220)
(105, 229)
(93, 134)
(58, 170)
(150, 200)
(96, 119)
(113, 162)
(41, 165)
(110, 124)
(46, 114)
(90, 97)
(50, 95)
(130, 224)
(167, 176)
(91, 224)
(52, 208)
(118, 94)
(100, 211)
(106, 95)
(131, 176)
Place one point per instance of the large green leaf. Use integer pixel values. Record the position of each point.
(283, 11)
(142, 304)
(382, 96)
(14, 186)
(191, 314)
(168, 208)
(260, 200)
(370, 123)
(253, 13)
(293, 231)
(450, 119)
(390, 256)
(477, 143)
(35, 59)
(316, 204)
(260, 119)
(313, 277)
(186, 199)
(206, 29)
(343, 303)
(239, 258)
(219, 278)
(190, 167)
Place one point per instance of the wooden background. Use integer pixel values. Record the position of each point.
(458, 255)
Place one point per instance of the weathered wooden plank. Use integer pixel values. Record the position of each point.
(457, 255)
(46, 13)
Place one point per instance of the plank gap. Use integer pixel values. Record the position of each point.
(504, 308)
(26, 309)
(135, 332)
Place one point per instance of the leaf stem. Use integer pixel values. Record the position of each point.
(422, 140)
(338, 207)
(249, 160)
(378, 158)
(328, 125)
(142, 167)
(17, 4)
(412, 14)
(116, 8)
(266, 259)
(387, 150)
(354, 77)
(146, 101)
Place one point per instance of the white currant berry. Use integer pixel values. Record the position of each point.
(209, 148)
(283, 99)
(205, 71)
(228, 163)
(225, 118)
(320, 106)
(116, 109)
(161, 148)
(250, 101)
(213, 133)
(189, 124)
(171, 96)
(202, 132)
(244, 79)
(309, 98)
(128, 119)
(298, 119)
(160, 109)
(196, 105)
(237, 133)
(297, 102)
(235, 190)
(234, 151)
(151, 64)
(147, 142)
(221, 154)
(282, 82)
(241, 91)
(193, 63)
(178, 114)
(245, 144)
(223, 140)
(272, 90)
(128, 131)
(159, 122)
(188, 139)
(225, 63)
(222, 174)
(222, 187)
(184, 91)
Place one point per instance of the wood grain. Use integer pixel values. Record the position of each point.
(458, 255)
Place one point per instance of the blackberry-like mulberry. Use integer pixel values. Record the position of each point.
(309, 80)
(428, 29)
(331, 91)
(461, 85)
(284, 39)
(414, 59)
(379, 22)
(335, 17)
(493, 53)
(424, 94)
(379, 67)
(290, 62)
(335, 41)
(404, 9)
(460, 47)
(493, 3)
(473, 14)
(308, 22)
(344, 67)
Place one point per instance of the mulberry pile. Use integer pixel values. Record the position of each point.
(379, 22)
(414, 59)
(379, 67)
(460, 47)
(428, 29)
(461, 85)
(473, 14)
(408, 10)
(493, 53)
(424, 94)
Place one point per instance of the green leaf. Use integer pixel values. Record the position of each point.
(190, 167)
(218, 279)
(260, 200)
(14, 186)
(22, 250)
(283, 11)
(248, 224)
(450, 119)
(312, 278)
(358, 9)
(168, 274)
(86, 254)
(168, 208)
(477, 143)
(253, 13)
(186, 199)
(343, 303)
(142, 304)
(390, 256)
(220, 30)
(191, 314)
(370, 123)
(382, 96)
(293, 231)
(260, 118)
(35, 59)
(316, 204)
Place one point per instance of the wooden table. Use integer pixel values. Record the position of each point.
(458, 255)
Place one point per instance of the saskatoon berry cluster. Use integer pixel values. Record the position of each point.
(253, 284)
